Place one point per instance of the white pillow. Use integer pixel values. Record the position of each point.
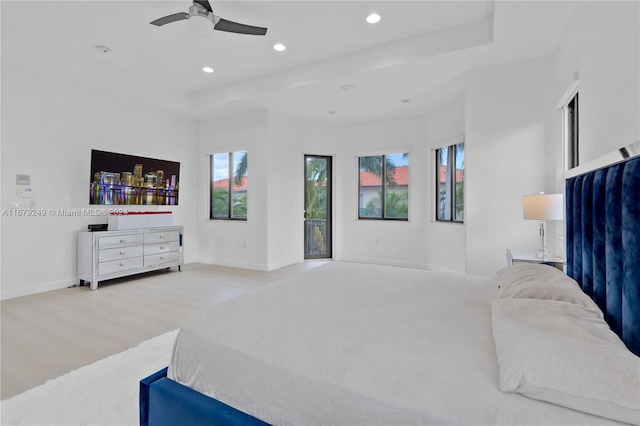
(563, 354)
(539, 281)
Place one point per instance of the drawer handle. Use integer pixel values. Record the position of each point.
(123, 241)
(161, 236)
(161, 257)
(161, 247)
(122, 264)
(121, 252)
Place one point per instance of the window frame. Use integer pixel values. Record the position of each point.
(231, 178)
(452, 171)
(569, 106)
(571, 132)
(383, 186)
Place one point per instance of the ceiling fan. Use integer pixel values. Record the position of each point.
(202, 20)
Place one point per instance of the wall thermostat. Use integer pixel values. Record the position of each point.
(26, 192)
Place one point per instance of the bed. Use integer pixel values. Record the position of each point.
(357, 344)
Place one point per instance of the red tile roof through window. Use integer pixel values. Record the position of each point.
(367, 179)
(224, 184)
(443, 174)
(401, 177)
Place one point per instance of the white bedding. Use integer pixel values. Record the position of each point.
(566, 354)
(358, 344)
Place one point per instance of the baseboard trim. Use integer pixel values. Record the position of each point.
(41, 288)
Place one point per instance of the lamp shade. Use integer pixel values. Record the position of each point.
(543, 207)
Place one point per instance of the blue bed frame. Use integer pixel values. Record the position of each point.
(603, 255)
(603, 243)
(164, 402)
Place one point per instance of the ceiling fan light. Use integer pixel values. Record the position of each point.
(279, 47)
(200, 25)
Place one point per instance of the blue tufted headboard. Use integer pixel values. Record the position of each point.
(603, 243)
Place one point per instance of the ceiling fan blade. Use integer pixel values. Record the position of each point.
(234, 27)
(205, 4)
(171, 18)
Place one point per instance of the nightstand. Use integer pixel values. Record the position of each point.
(530, 256)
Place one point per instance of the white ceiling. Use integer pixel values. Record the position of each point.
(418, 51)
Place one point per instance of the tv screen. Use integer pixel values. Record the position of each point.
(120, 179)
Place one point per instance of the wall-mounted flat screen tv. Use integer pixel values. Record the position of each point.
(120, 179)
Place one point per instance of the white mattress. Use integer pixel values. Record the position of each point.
(358, 344)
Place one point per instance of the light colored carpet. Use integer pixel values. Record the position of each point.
(103, 393)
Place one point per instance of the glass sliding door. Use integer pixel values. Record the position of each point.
(317, 207)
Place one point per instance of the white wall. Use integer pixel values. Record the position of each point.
(241, 244)
(602, 44)
(289, 141)
(420, 242)
(508, 120)
(399, 243)
(285, 193)
(275, 224)
(48, 130)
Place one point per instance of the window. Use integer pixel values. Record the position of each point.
(450, 183)
(570, 132)
(568, 106)
(229, 185)
(383, 184)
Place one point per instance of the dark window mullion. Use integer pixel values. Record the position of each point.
(452, 181)
(383, 190)
(211, 190)
(359, 187)
(575, 135)
(437, 179)
(230, 185)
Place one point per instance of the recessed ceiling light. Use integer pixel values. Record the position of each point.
(331, 112)
(207, 69)
(102, 49)
(373, 18)
(279, 47)
(405, 101)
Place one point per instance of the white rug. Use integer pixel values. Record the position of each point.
(103, 393)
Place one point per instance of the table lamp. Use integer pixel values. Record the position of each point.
(543, 207)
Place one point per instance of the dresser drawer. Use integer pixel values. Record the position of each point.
(119, 253)
(120, 241)
(161, 236)
(161, 247)
(120, 265)
(160, 258)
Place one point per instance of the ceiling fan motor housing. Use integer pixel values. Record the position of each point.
(197, 10)
(201, 21)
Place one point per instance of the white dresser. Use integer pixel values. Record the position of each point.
(104, 255)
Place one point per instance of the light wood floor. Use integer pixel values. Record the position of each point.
(49, 334)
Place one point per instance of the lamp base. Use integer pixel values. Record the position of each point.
(543, 253)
